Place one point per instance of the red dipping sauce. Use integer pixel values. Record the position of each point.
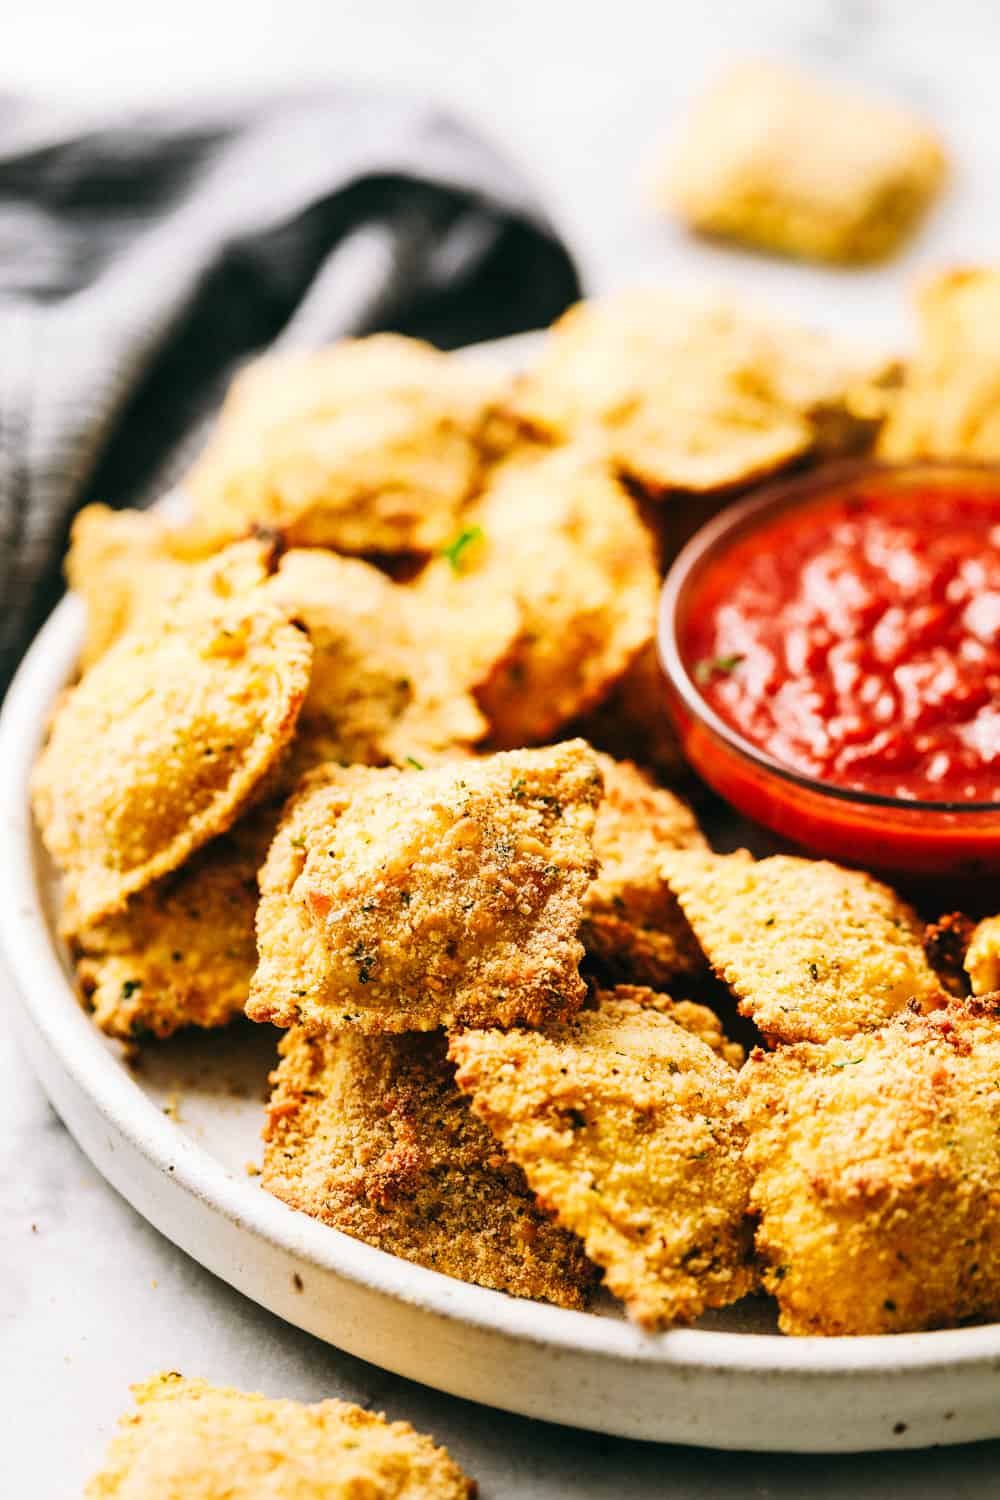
(856, 639)
(832, 656)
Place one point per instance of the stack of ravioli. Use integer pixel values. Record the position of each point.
(371, 748)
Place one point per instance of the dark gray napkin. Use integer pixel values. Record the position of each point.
(142, 259)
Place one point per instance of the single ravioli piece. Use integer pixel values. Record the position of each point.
(397, 901)
(791, 164)
(982, 959)
(188, 1440)
(369, 446)
(127, 563)
(632, 921)
(371, 1135)
(183, 951)
(626, 1126)
(949, 405)
(877, 1173)
(698, 1019)
(810, 949)
(558, 537)
(382, 688)
(693, 391)
(162, 744)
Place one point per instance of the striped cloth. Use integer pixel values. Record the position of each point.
(143, 258)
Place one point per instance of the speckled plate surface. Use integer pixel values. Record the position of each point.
(176, 1135)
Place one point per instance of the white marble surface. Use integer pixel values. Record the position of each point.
(91, 1297)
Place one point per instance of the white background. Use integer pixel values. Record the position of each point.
(90, 1297)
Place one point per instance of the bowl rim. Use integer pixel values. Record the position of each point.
(773, 496)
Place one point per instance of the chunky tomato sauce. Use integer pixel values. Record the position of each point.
(856, 638)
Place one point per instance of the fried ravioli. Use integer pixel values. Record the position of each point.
(395, 901)
(183, 951)
(370, 1134)
(382, 687)
(188, 1440)
(982, 958)
(558, 537)
(693, 392)
(369, 446)
(810, 949)
(625, 1125)
(789, 164)
(632, 921)
(877, 1173)
(162, 744)
(949, 405)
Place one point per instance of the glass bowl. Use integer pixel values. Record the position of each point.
(865, 828)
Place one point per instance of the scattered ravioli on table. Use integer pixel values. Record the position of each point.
(791, 164)
(876, 1167)
(188, 1440)
(810, 949)
(396, 901)
(626, 1126)
(371, 1135)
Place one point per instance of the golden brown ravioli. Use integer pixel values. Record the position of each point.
(370, 1134)
(632, 921)
(188, 1440)
(369, 446)
(555, 538)
(811, 950)
(163, 743)
(787, 163)
(876, 1162)
(396, 901)
(626, 1127)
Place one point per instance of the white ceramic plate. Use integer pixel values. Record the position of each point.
(175, 1138)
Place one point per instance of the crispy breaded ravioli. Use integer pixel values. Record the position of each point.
(183, 951)
(811, 950)
(557, 535)
(787, 163)
(949, 406)
(124, 563)
(188, 1440)
(382, 687)
(371, 445)
(371, 1135)
(396, 901)
(162, 744)
(697, 1019)
(632, 921)
(689, 391)
(982, 958)
(876, 1163)
(626, 1126)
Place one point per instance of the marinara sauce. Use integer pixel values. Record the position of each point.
(855, 637)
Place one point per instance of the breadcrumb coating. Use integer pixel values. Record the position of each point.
(982, 958)
(371, 1135)
(632, 921)
(876, 1162)
(382, 688)
(369, 446)
(557, 536)
(790, 164)
(626, 1126)
(690, 391)
(811, 950)
(183, 951)
(949, 405)
(395, 901)
(188, 1440)
(176, 725)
